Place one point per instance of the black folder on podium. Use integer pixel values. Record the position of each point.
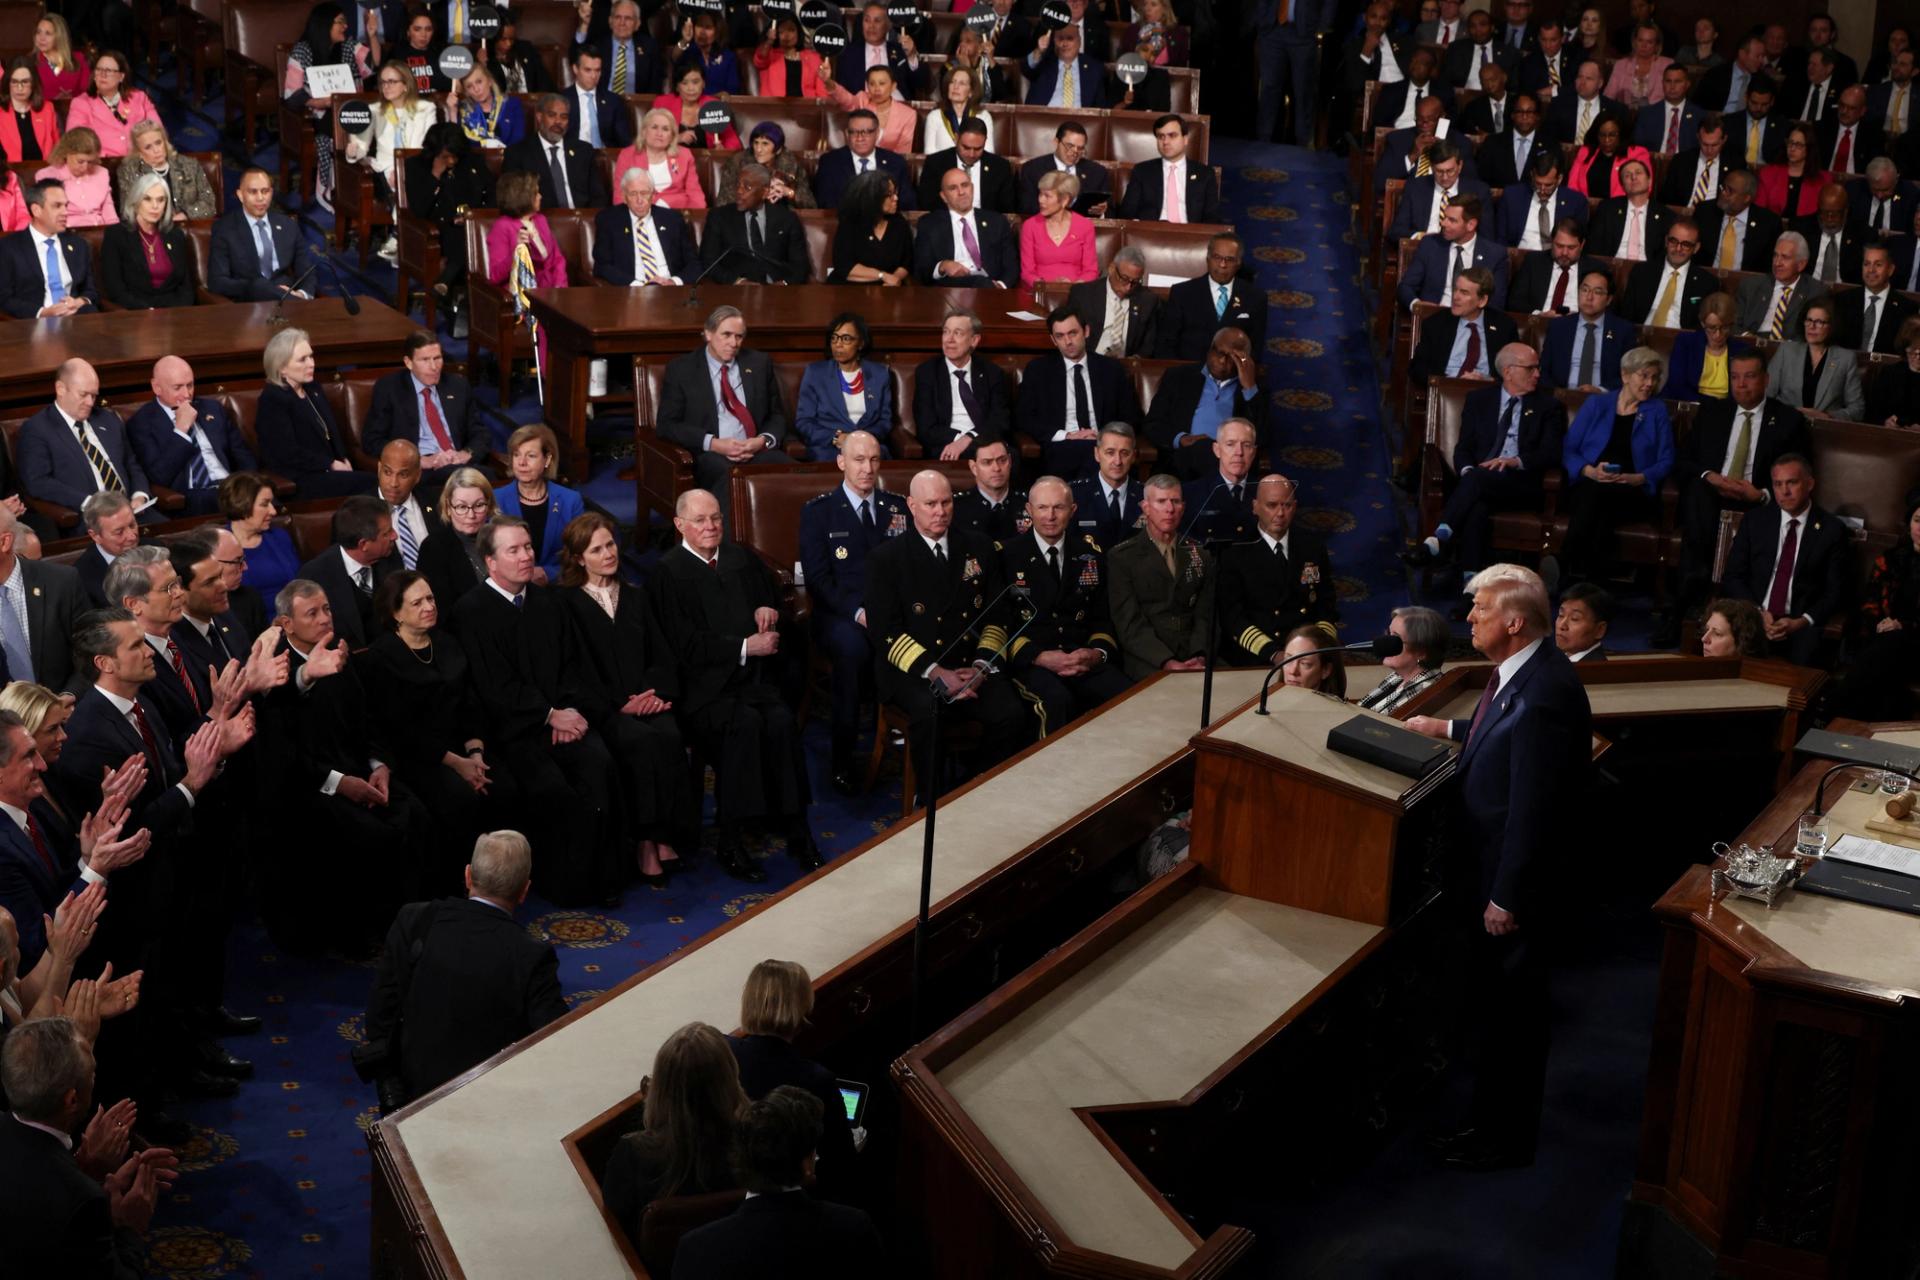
(1837, 878)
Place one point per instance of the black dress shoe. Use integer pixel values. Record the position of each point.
(801, 848)
(222, 1021)
(204, 1084)
(1417, 556)
(734, 861)
(215, 1060)
(158, 1129)
(1482, 1155)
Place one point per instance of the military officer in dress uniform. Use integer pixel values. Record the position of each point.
(993, 506)
(1280, 581)
(1220, 506)
(1066, 661)
(837, 530)
(1160, 585)
(934, 614)
(1107, 503)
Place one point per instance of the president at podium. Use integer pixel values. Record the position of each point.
(1523, 766)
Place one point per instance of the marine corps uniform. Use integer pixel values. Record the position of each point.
(1269, 593)
(916, 607)
(1001, 522)
(1160, 615)
(1069, 605)
(835, 540)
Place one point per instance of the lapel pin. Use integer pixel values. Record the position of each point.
(36, 591)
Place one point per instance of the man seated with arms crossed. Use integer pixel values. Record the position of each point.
(1067, 661)
(460, 980)
(1161, 586)
(961, 247)
(48, 270)
(258, 254)
(767, 243)
(721, 404)
(187, 443)
(1122, 314)
(429, 408)
(1460, 341)
(1580, 630)
(74, 449)
(1195, 399)
(994, 507)
(1277, 582)
(1790, 557)
(959, 399)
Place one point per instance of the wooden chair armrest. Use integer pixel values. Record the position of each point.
(167, 500)
(62, 517)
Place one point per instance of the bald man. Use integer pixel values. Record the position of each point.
(184, 442)
(73, 449)
(397, 477)
(938, 624)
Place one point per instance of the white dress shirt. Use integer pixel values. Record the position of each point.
(643, 229)
(962, 423)
(1877, 304)
(125, 707)
(1073, 418)
(411, 513)
(1440, 197)
(1800, 546)
(1530, 237)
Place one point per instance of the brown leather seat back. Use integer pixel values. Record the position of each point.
(1147, 374)
(669, 1218)
(243, 403)
(697, 223)
(255, 29)
(646, 390)
(1446, 401)
(18, 18)
(819, 225)
(803, 120)
(787, 372)
(312, 531)
(1130, 136)
(1170, 249)
(1866, 471)
(904, 377)
(215, 169)
(767, 502)
(1034, 128)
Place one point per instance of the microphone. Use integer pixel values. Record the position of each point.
(972, 629)
(694, 289)
(351, 303)
(1386, 646)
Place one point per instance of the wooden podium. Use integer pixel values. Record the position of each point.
(1279, 817)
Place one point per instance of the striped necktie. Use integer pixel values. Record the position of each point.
(1778, 329)
(409, 545)
(110, 480)
(644, 255)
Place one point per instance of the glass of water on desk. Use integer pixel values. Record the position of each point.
(1814, 830)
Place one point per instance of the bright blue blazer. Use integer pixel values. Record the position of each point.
(563, 504)
(823, 407)
(1593, 426)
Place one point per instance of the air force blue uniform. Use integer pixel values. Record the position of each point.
(834, 542)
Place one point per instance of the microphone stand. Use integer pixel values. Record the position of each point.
(932, 784)
(1219, 546)
(693, 293)
(275, 320)
(1377, 647)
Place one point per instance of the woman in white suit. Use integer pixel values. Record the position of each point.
(401, 118)
(1813, 374)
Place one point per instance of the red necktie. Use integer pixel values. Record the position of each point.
(1486, 700)
(40, 846)
(1783, 571)
(1472, 363)
(732, 401)
(1559, 302)
(1673, 130)
(1843, 154)
(180, 669)
(1446, 36)
(146, 735)
(435, 423)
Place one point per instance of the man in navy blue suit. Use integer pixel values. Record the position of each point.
(1289, 53)
(1545, 192)
(878, 46)
(1671, 125)
(1584, 349)
(1401, 150)
(640, 242)
(837, 529)
(1799, 574)
(187, 443)
(1523, 767)
(633, 61)
(45, 243)
(1106, 501)
(862, 153)
(1146, 196)
(952, 423)
(599, 118)
(959, 246)
(74, 449)
(258, 254)
(1069, 394)
(1082, 83)
(1459, 245)
(1425, 197)
(1196, 309)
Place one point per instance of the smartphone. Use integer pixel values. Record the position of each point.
(1611, 468)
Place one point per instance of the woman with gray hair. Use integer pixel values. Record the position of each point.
(1619, 449)
(1423, 646)
(149, 151)
(145, 262)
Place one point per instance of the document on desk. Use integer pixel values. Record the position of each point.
(1876, 853)
(1027, 316)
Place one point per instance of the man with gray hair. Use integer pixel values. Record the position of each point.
(1161, 586)
(1524, 761)
(1776, 307)
(569, 179)
(761, 239)
(459, 980)
(113, 528)
(56, 1217)
(638, 242)
(1122, 313)
(722, 404)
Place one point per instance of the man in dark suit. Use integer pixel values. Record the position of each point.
(359, 560)
(1550, 64)
(111, 526)
(1849, 139)
(1526, 757)
(1870, 318)
(1813, 96)
(1276, 580)
(1403, 151)
(58, 1218)
(1195, 400)
(1572, 114)
(184, 442)
(1287, 39)
(1069, 156)
(1368, 55)
(1756, 134)
(1196, 309)
(1122, 314)
(1580, 628)
(1508, 154)
(569, 178)
(769, 245)
(721, 404)
(1724, 89)
(1465, 62)
(959, 246)
(1492, 112)
(1060, 75)
(1519, 32)
(1147, 191)
(1398, 105)
(1461, 341)
(1425, 197)
(1066, 660)
(960, 401)
(1437, 259)
(876, 34)
(1219, 500)
(1791, 558)
(1069, 393)
(1896, 91)
(1618, 221)
(49, 598)
(1584, 349)
(1510, 437)
(1106, 501)
(1774, 306)
(1750, 247)
(1666, 291)
(598, 117)
(813, 1240)
(1693, 176)
(258, 254)
(460, 980)
(1528, 212)
(1831, 237)
(74, 449)
(640, 242)
(839, 166)
(1720, 466)
(634, 64)
(1883, 203)
(26, 254)
(1671, 123)
(1550, 281)
(838, 529)
(429, 408)
(995, 188)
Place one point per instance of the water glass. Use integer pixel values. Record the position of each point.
(1892, 783)
(1814, 830)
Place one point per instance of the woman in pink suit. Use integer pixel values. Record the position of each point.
(110, 107)
(28, 131)
(1056, 244)
(899, 122)
(788, 67)
(688, 96)
(521, 224)
(76, 165)
(1596, 166)
(1792, 188)
(676, 177)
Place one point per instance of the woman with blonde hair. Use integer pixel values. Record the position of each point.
(683, 1147)
(1056, 245)
(62, 71)
(151, 151)
(75, 165)
(401, 119)
(548, 507)
(449, 556)
(488, 117)
(295, 425)
(774, 1006)
(676, 180)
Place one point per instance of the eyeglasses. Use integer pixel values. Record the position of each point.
(466, 508)
(846, 337)
(1680, 243)
(241, 563)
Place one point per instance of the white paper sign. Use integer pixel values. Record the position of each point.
(329, 81)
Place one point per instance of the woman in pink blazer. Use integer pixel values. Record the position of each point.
(689, 95)
(521, 222)
(61, 68)
(1596, 167)
(784, 49)
(24, 98)
(899, 122)
(1056, 244)
(1792, 189)
(676, 177)
(110, 107)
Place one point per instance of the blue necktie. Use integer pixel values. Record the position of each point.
(265, 246)
(55, 288)
(198, 477)
(409, 545)
(1220, 301)
(13, 636)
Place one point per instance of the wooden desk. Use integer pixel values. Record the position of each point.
(588, 323)
(219, 342)
(1779, 1124)
(480, 1180)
